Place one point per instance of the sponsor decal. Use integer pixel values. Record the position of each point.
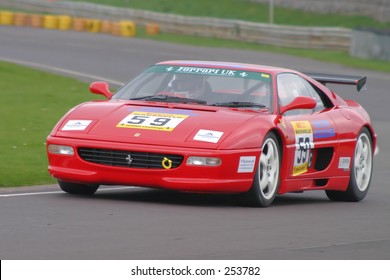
(246, 164)
(152, 121)
(208, 136)
(76, 125)
(344, 163)
(206, 71)
(304, 143)
(265, 75)
(323, 129)
(222, 72)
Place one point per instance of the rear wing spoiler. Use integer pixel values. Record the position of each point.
(339, 79)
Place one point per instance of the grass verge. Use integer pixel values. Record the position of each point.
(31, 103)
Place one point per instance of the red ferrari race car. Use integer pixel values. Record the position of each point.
(218, 127)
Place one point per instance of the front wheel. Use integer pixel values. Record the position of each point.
(361, 171)
(266, 180)
(74, 188)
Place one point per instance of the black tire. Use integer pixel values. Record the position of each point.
(74, 188)
(361, 171)
(266, 180)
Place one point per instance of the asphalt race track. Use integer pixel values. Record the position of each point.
(138, 223)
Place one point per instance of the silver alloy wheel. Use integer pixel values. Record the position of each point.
(363, 162)
(269, 168)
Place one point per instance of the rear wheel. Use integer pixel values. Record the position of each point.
(74, 188)
(361, 171)
(266, 180)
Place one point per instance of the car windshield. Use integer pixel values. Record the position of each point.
(196, 85)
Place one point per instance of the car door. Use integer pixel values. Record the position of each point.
(310, 134)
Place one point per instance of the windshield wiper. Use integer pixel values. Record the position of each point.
(168, 98)
(237, 104)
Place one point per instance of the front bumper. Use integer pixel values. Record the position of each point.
(229, 177)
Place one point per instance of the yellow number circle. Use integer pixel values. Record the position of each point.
(166, 163)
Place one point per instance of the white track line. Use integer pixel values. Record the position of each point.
(53, 192)
(26, 194)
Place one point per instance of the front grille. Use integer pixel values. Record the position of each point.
(130, 159)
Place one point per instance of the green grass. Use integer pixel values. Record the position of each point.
(31, 102)
(244, 10)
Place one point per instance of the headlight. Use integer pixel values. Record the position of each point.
(204, 161)
(60, 150)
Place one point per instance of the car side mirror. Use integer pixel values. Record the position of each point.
(101, 88)
(300, 102)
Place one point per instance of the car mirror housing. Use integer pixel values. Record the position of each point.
(300, 102)
(101, 88)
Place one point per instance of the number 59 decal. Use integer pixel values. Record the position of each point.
(152, 121)
(303, 143)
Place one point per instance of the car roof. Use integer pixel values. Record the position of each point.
(229, 65)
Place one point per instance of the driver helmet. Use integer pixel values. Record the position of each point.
(189, 85)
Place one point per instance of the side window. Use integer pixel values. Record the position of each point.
(314, 93)
(320, 95)
(291, 86)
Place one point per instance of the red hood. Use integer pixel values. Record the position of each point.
(153, 123)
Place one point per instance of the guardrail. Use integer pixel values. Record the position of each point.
(324, 38)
